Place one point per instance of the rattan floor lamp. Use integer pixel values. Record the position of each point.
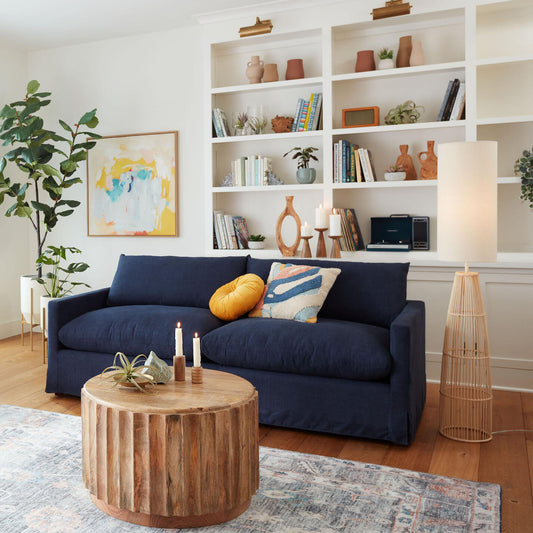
(467, 231)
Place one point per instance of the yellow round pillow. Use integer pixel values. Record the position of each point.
(237, 297)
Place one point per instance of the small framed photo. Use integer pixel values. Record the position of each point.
(359, 117)
(132, 185)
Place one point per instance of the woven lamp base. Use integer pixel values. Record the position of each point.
(465, 383)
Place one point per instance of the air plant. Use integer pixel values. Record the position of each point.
(240, 121)
(258, 124)
(128, 374)
(406, 113)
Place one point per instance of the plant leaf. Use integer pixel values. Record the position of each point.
(32, 87)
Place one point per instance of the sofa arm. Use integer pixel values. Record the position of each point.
(408, 377)
(62, 311)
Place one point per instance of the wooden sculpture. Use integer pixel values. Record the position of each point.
(282, 124)
(428, 160)
(406, 161)
(288, 251)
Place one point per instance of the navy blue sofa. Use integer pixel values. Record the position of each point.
(359, 371)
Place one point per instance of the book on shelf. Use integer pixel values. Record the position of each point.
(303, 115)
(449, 100)
(308, 113)
(297, 114)
(347, 163)
(315, 112)
(459, 104)
(351, 239)
(250, 171)
(444, 101)
(229, 232)
(220, 122)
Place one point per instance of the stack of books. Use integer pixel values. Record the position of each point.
(229, 232)
(352, 239)
(453, 104)
(307, 115)
(351, 163)
(220, 123)
(252, 170)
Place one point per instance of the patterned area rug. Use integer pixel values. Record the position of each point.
(41, 490)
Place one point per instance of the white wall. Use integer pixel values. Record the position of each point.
(139, 84)
(16, 234)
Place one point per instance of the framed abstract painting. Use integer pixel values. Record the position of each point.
(132, 185)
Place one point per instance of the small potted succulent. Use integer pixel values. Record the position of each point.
(130, 374)
(385, 59)
(395, 173)
(524, 169)
(256, 242)
(304, 174)
(406, 113)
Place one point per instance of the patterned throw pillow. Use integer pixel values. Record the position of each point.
(295, 292)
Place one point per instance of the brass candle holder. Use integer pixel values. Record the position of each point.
(321, 244)
(306, 250)
(197, 375)
(179, 368)
(335, 247)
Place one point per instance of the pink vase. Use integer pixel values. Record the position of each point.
(417, 55)
(365, 61)
(254, 70)
(295, 69)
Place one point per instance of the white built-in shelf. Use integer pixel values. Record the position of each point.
(401, 127)
(405, 71)
(505, 180)
(504, 120)
(252, 87)
(386, 184)
(270, 188)
(266, 137)
(503, 60)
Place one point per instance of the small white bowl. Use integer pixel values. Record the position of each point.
(395, 176)
(256, 245)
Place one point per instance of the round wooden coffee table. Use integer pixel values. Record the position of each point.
(186, 456)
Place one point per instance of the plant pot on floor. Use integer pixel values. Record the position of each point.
(30, 293)
(305, 175)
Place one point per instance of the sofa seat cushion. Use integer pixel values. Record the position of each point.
(135, 329)
(329, 348)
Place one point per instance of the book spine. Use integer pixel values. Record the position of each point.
(309, 109)
(352, 163)
(218, 113)
(297, 114)
(216, 233)
(257, 181)
(231, 233)
(316, 115)
(365, 175)
(451, 100)
(343, 162)
(355, 230)
(221, 230)
(224, 121)
(345, 245)
(303, 116)
(335, 167)
(459, 102)
(215, 123)
(444, 101)
(371, 168)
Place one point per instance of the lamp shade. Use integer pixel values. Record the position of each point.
(467, 201)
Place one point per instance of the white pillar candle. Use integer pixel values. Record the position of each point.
(306, 230)
(335, 224)
(321, 217)
(179, 339)
(196, 355)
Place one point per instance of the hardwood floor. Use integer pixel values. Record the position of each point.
(507, 459)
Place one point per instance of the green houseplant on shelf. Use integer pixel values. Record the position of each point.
(304, 174)
(524, 169)
(45, 164)
(256, 242)
(385, 59)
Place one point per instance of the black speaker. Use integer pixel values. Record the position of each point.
(420, 233)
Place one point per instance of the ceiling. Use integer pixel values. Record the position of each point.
(36, 24)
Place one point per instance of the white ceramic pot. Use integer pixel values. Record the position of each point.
(29, 285)
(385, 64)
(395, 176)
(45, 300)
(256, 245)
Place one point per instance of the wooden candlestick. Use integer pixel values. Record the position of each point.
(335, 248)
(306, 250)
(197, 375)
(321, 244)
(179, 368)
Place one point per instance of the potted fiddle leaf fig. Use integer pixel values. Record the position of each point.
(304, 174)
(524, 169)
(39, 169)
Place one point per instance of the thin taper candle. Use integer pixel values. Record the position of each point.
(179, 339)
(196, 354)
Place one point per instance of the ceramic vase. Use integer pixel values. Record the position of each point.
(305, 175)
(385, 64)
(271, 72)
(428, 160)
(295, 69)
(417, 54)
(404, 52)
(254, 70)
(365, 61)
(406, 161)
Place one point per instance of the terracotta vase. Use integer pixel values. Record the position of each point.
(406, 161)
(365, 61)
(295, 69)
(254, 70)
(428, 160)
(404, 52)
(271, 72)
(417, 55)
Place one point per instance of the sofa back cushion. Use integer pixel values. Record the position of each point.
(169, 280)
(370, 293)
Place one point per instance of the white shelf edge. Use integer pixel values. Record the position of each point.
(505, 180)
(283, 84)
(262, 188)
(266, 136)
(401, 127)
(385, 184)
(504, 120)
(404, 71)
(503, 60)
